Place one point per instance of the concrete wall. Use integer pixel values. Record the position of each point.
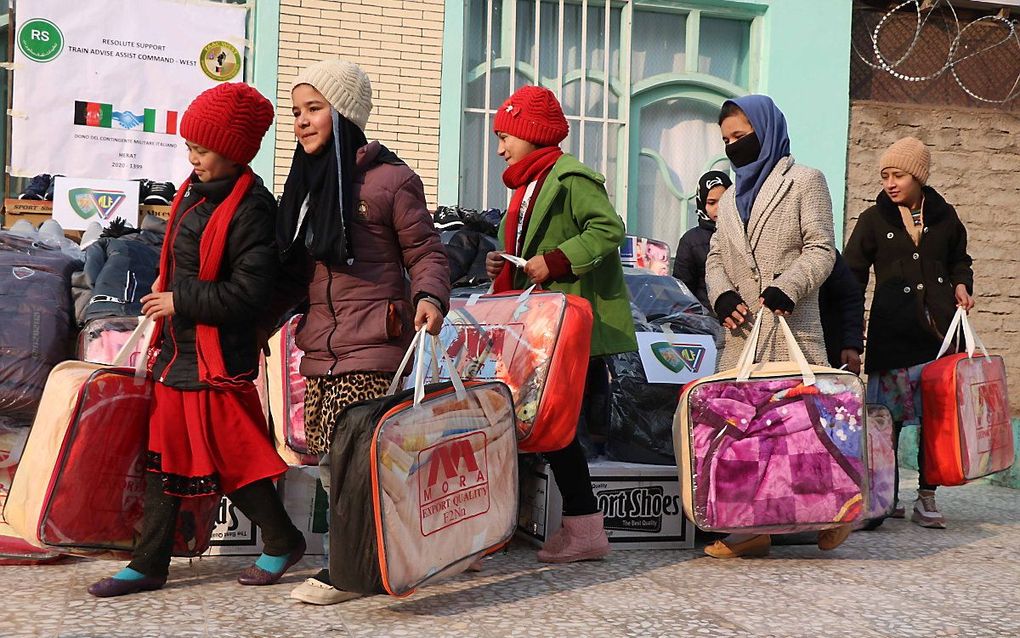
(975, 162)
(399, 44)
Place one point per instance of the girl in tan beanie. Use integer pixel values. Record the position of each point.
(918, 247)
(357, 238)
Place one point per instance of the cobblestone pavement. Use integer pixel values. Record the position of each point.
(899, 580)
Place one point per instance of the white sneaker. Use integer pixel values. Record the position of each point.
(315, 592)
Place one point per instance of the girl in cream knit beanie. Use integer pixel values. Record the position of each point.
(344, 84)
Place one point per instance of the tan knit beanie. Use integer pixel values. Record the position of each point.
(344, 84)
(909, 155)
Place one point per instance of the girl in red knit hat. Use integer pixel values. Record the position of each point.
(207, 431)
(561, 220)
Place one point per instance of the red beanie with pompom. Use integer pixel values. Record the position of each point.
(229, 119)
(533, 114)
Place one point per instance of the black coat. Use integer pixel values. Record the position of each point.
(841, 306)
(235, 302)
(915, 297)
(691, 254)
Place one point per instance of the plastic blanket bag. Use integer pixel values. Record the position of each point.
(101, 339)
(286, 389)
(36, 319)
(882, 460)
(81, 481)
(966, 429)
(773, 447)
(425, 482)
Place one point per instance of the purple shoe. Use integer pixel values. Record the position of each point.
(255, 575)
(109, 587)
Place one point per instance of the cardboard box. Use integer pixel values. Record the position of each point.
(303, 498)
(307, 504)
(160, 211)
(32, 210)
(37, 212)
(234, 534)
(641, 504)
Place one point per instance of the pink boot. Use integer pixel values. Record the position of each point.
(580, 538)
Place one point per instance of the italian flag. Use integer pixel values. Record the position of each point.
(160, 122)
(93, 114)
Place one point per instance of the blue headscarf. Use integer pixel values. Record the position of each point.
(769, 125)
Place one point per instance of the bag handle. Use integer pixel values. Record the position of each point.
(143, 333)
(745, 363)
(961, 324)
(420, 377)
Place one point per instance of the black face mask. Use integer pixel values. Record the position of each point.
(744, 151)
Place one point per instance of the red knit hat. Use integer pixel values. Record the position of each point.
(533, 114)
(229, 119)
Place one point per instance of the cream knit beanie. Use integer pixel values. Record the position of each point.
(909, 155)
(344, 84)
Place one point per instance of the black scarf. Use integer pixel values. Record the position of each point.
(327, 179)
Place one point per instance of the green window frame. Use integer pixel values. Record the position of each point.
(692, 83)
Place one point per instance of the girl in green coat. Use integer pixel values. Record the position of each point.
(561, 221)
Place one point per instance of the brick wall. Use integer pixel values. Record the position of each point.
(976, 167)
(399, 44)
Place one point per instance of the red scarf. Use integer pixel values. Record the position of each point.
(211, 368)
(533, 167)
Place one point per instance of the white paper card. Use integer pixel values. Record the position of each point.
(676, 358)
(79, 202)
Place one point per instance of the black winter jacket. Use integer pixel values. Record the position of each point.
(915, 298)
(691, 254)
(235, 302)
(841, 306)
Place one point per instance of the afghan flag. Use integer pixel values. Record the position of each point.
(160, 122)
(93, 114)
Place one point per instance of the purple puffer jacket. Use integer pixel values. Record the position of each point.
(360, 316)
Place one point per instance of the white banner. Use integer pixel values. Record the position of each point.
(99, 90)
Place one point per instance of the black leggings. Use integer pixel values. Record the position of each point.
(570, 465)
(921, 483)
(259, 501)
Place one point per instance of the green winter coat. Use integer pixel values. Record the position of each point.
(573, 213)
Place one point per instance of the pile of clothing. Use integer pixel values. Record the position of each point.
(641, 413)
(467, 236)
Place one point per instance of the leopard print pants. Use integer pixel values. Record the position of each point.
(326, 398)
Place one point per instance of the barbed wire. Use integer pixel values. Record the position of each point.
(957, 51)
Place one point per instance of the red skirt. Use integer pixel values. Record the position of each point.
(209, 441)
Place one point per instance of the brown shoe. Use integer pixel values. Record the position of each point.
(832, 538)
(756, 546)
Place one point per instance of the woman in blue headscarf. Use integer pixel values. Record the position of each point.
(773, 248)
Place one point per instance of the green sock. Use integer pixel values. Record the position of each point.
(272, 564)
(128, 574)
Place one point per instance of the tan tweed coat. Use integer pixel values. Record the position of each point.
(788, 244)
